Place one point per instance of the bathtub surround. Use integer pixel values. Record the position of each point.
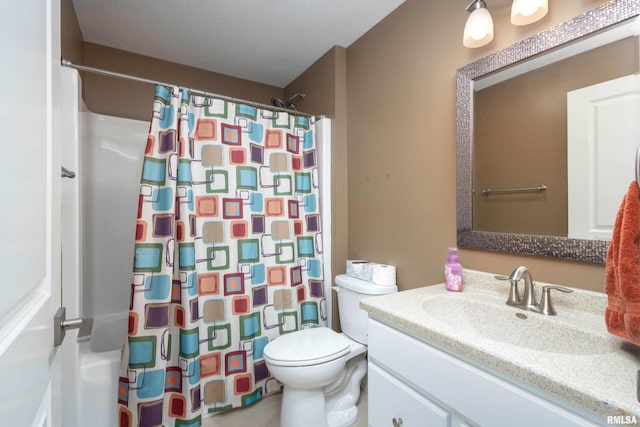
(106, 144)
(228, 256)
(96, 256)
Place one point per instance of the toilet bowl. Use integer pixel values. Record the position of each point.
(311, 364)
(321, 369)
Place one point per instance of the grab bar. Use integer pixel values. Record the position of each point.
(66, 173)
(537, 189)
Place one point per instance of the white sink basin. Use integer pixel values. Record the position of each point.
(490, 317)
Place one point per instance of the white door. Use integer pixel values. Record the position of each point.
(603, 125)
(29, 213)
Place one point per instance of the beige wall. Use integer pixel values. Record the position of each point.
(129, 99)
(324, 84)
(72, 44)
(401, 142)
(123, 98)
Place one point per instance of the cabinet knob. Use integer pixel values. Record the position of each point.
(397, 422)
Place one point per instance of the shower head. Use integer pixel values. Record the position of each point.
(287, 105)
(276, 102)
(294, 97)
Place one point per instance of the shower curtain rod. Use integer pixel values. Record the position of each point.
(66, 63)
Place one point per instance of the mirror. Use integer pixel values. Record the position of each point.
(485, 220)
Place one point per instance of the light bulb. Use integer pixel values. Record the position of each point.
(524, 12)
(478, 30)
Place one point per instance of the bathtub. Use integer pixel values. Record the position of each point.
(99, 364)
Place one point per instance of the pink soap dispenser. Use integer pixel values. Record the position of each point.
(453, 272)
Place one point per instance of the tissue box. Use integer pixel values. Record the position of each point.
(360, 269)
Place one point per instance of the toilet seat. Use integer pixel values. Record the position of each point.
(307, 347)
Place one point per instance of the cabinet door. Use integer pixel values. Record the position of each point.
(392, 404)
(464, 389)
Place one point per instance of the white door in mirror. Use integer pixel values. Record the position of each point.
(603, 133)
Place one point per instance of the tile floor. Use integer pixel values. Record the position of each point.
(266, 413)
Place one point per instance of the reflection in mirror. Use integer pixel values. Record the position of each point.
(521, 125)
(520, 142)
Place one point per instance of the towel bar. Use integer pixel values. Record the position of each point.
(537, 189)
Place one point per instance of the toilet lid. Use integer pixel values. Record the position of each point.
(307, 347)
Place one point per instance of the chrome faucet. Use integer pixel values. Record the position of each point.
(528, 301)
(529, 298)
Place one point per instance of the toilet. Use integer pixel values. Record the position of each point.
(321, 369)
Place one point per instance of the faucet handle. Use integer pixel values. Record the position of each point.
(514, 295)
(546, 307)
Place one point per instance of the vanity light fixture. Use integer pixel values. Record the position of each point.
(478, 30)
(524, 12)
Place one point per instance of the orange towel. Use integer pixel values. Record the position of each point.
(622, 283)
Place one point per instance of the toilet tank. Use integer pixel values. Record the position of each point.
(350, 291)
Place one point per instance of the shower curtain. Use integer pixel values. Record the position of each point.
(228, 257)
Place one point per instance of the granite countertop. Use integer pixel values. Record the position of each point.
(594, 370)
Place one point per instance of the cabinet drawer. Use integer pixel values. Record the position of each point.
(389, 399)
(474, 393)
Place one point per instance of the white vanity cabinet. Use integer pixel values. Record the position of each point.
(393, 403)
(414, 384)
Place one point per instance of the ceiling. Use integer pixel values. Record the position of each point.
(270, 42)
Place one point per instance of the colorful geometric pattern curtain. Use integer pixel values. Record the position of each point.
(228, 256)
